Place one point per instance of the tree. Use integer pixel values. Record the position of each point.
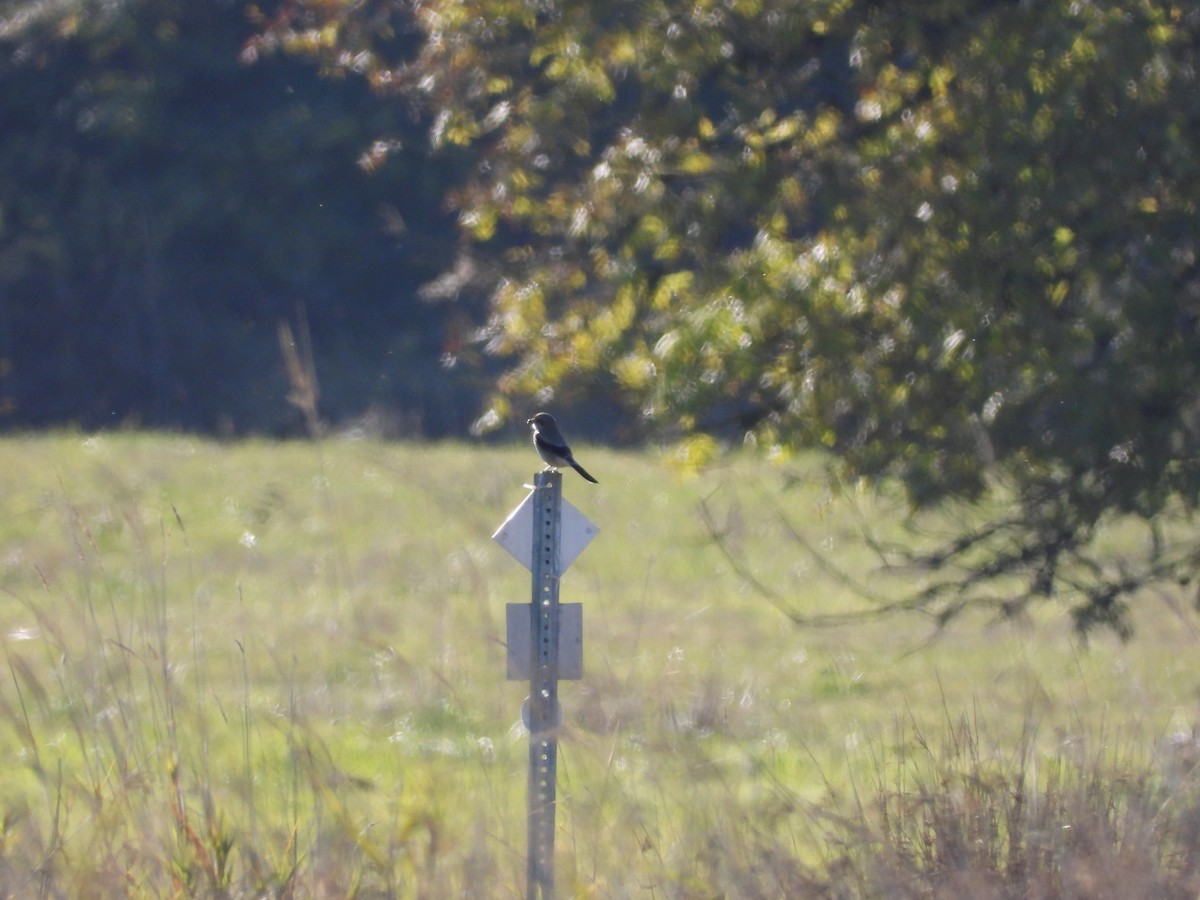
(164, 206)
(955, 243)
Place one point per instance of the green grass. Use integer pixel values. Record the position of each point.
(276, 669)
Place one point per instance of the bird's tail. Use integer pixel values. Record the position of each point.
(582, 471)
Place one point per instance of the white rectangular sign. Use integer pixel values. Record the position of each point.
(570, 641)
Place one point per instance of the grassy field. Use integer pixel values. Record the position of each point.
(277, 669)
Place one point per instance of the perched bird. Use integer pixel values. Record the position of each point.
(551, 447)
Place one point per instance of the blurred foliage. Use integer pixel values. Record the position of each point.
(953, 242)
(165, 205)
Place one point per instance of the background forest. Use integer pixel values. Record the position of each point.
(165, 204)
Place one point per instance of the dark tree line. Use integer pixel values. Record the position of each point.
(166, 202)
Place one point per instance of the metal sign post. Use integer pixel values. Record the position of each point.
(545, 643)
(543, 684)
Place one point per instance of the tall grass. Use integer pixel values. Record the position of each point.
(276, 670)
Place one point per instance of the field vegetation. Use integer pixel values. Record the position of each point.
(276, 669)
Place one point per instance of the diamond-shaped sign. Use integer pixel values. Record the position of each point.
(516, 534)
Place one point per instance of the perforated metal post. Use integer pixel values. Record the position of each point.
(543, 684)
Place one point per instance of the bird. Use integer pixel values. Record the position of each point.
(551, 447)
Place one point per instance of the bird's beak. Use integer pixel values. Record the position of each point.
(529, 421)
